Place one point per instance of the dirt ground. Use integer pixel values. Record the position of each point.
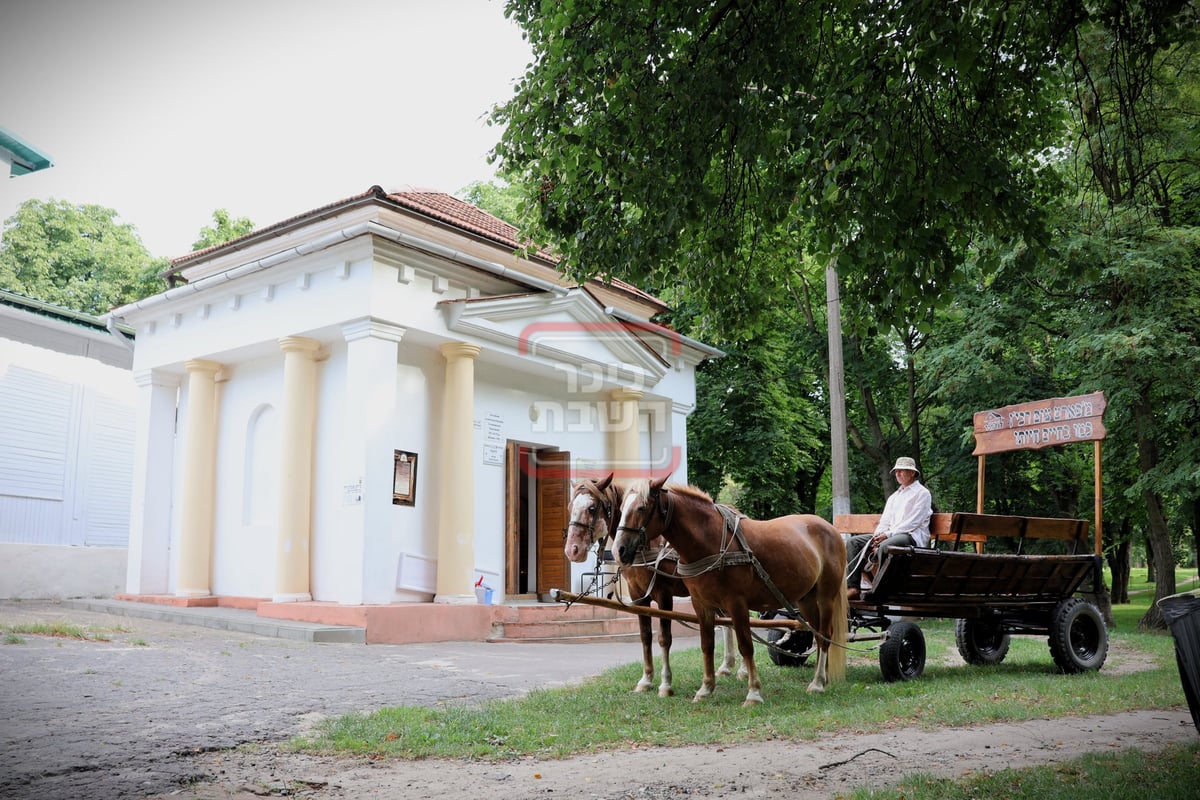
(148, 709)
(803, 770)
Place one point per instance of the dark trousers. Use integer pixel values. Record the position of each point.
(856, 553)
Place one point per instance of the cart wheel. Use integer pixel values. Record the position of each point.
(1078, 636)
(902, 656)
(980, 642)
(788, 648)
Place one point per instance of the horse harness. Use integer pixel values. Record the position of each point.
(731, 532)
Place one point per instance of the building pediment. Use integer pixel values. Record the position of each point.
(568, 332)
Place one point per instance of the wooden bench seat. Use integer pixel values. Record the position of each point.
(940, 528)
(975, 529)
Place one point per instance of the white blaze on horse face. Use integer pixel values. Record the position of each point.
(632, 511)
(584, 512)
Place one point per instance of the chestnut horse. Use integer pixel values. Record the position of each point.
(739, 565)
(593, 511)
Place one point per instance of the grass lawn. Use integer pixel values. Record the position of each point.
(1140, 673)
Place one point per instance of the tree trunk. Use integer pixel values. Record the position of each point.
(1119, 566)
(1151, 573)
(1157, 532)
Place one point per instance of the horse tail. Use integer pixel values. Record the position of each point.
(835, 663)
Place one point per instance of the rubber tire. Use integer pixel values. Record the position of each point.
(791, 653)
(980, 643)
(1078, 636)
(902, 656)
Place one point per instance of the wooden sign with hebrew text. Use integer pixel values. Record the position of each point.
(1042, 423)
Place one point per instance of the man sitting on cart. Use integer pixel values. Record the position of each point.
(905, 522)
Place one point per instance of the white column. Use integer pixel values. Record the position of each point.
(197, 496)
(368, 563)
(456, 517)
(678, 444)
(148, 568)
(623, 426)
(296, 431)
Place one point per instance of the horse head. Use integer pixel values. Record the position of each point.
(645, 513)
(591, 513)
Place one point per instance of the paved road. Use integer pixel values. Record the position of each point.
(123, 715)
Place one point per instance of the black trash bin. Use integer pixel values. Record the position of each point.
(1182, 613)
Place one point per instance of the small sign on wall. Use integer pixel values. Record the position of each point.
(404, 479)
(493, 454)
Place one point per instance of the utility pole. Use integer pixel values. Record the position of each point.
(837, 393)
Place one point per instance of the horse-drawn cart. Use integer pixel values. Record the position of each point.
(991, 596)
(792, 569)
(994, 595)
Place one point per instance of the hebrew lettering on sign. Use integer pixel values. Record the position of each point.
(1042, 423)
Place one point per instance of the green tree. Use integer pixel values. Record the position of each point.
(224, 229)
(76, 256)
(503, 200)
(1136, 242)
(885, 132)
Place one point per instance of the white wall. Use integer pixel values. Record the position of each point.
(42, 571)
(246, 507)
(66, 449)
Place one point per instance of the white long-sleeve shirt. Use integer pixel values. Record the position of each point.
(908, 511)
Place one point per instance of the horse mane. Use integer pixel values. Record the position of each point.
(642, 488)
(690, 491)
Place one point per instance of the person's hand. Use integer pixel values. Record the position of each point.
(879, 537)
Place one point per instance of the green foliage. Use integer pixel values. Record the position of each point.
(77, 257)
(654, 139)
(1010, 193)
(759, 422)
(224, 229)
(503, 200)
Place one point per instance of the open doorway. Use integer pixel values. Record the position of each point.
(536, 493)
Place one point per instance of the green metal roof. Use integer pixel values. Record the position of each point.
(25, 157)
(42, 308)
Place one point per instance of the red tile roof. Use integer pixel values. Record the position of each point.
(461, 214)
(439, 206)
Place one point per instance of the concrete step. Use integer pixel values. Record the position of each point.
(579, 622)
(398, 623)
(622, 628)
(226, 618)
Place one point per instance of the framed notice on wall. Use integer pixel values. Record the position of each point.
(404, 479)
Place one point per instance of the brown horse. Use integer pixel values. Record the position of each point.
(593, 511)
(740, 565)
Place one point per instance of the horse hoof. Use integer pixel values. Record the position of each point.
(749, 702)
(723, 671)
(666, 691)
(641, 687)
(814, 689)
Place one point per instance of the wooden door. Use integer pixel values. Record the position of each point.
(552, 473)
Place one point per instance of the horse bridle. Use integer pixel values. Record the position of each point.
(665, 506)
(605, 501)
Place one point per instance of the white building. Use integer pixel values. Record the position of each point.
(67, 402)
(379, 403)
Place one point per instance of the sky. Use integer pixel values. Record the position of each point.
(166, 110)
